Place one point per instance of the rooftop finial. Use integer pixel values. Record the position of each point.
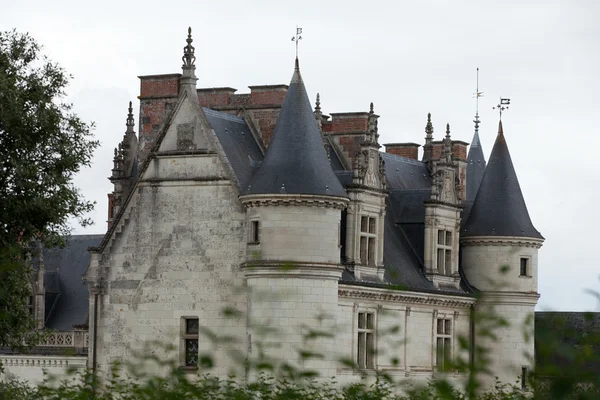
(318, 103)
(371, 108)
(429, 127)
(130, 123)
(296, 39)
(447, 131)
(188, 51)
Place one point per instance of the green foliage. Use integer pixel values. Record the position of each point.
(43, 144)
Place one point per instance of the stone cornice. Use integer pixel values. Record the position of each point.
(298, 269)
(262, 200)
(501, 241)
(395, 296)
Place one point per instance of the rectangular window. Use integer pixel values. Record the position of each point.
(444, 252)
(254, 232)
(524, 378)
(365, 356)
(524, 267)
(443, 343)
(190, 331)
(368, 240)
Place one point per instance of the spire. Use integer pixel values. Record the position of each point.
(447, 149)
(318, 104)
(475, 164)
(428, 130)
(499, 208)
(428, 147)
(296, 158)
(130, 123)
(475, 158)
(188, 77)
(373, 137)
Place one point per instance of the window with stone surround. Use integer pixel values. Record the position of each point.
(365, 350)
(524, 267)
(368, 240)
(254, 236)
(444, 252)
(189, 341)
(443, 343)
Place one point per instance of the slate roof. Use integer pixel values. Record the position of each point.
(66, 294)
(296, 161)
(475, 167)
(238, 143)
(499, 208)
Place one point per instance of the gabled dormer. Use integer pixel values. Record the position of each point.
(442, 215)
(364, 220)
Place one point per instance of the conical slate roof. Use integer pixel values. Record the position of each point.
(475, 167)
(296, 162)
(499, 208)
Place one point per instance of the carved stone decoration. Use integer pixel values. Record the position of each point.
(185, 136)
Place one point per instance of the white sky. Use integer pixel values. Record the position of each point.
(409, 58)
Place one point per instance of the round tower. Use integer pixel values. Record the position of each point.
(293, 207)
(500, 259)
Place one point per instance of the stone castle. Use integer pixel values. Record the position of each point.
(261, 203)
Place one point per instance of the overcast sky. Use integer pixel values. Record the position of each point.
(409, 58)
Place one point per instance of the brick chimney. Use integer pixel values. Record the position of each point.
(407, 150)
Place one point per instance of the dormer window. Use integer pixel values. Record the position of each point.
(444, 252)
(368, 240)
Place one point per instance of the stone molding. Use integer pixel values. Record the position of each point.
(394, 296)
(509, 298)
(501, 241)
(281, 269)
(262, 200)
(43, 361)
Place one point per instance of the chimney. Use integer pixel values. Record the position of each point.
(407, 150)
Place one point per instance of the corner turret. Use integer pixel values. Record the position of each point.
(500, 258)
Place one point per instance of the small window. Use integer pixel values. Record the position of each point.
(524, 271)
(254, 231)
(366, 341)
(191, 328)
(524, 373)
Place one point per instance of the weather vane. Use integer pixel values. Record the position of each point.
(504, 103)
(297, 38)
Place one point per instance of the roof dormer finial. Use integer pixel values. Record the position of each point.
(188, 51)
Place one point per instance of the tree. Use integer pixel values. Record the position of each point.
(43, 144)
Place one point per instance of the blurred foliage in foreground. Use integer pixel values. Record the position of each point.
(567, 365)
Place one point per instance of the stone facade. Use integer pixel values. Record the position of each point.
(198, 243)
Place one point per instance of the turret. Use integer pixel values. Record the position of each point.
(500, 258)
(293, 216)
